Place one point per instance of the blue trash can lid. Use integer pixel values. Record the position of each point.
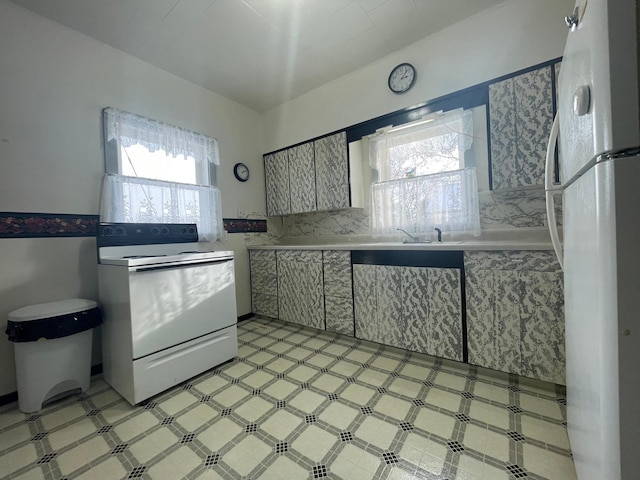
(51, 309)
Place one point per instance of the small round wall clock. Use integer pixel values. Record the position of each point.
(241, 172)
(402, 78)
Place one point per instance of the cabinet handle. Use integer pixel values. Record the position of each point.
(573, 19)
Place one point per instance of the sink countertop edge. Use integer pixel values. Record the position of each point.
(461, 245)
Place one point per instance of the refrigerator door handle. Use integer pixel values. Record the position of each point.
(551, 190)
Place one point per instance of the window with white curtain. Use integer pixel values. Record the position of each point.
(159, 173)
(420, 180)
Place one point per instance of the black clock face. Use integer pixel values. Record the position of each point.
(402, 78)
(241, 172)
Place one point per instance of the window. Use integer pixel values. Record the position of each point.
(158, 173)
(420, 180)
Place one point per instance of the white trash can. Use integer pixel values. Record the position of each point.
(52, 344)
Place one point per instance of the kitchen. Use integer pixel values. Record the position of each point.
(57, 81)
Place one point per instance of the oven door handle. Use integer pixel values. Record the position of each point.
(175, 266)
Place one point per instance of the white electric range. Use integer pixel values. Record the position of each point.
(169, 306)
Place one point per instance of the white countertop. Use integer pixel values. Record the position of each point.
(461, 245)
(497, 240)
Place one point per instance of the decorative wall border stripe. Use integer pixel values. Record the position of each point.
(244, 225)
(40, 225)
(33, 225)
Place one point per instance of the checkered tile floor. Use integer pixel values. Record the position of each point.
(298, 403)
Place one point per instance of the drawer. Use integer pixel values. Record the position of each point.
(337, 280)
(339, 315)
(262, 255)
(264, 305)
(337, 256)
(535, 261)
(307, 256)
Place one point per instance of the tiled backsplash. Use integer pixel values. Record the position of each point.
(498, 211)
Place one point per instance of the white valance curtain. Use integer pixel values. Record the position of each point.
(129, 129)
(420, 179)
(446, 200)
(132, 199)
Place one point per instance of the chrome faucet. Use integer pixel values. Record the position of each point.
(439, 232)
(411, 238)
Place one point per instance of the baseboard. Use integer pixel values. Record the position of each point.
(8, 398)
(247, 316)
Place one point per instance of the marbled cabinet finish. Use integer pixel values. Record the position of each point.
(515, 313)
(521, 114)
(264, 282)
(302, 178)
(300, 287)
(276, 172)
(416, 308)
(338, 292)
(332, 172)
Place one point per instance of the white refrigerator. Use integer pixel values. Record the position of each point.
(599, 132)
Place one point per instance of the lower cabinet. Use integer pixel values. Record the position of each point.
(264, 282)
(338, 291)
(415, 308)
(515, 313)
(513, 303)
(300, 287)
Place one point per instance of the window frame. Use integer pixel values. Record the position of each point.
(389, 214)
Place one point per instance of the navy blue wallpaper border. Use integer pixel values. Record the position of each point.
(244, 225)
(42, 225)
(34, 225)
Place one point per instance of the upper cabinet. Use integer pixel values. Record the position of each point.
(302, 178)
(521, 110)
(276, 173)
(312, 176)
(332, 172)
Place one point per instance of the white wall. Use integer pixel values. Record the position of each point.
(501, 40)
(54, 83)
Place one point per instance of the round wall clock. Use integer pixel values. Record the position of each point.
(402, 78)
(241, 172)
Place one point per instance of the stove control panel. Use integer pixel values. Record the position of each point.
(119, 234)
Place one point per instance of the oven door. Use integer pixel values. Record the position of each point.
(173, 304)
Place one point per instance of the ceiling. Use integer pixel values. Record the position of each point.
(260, 53)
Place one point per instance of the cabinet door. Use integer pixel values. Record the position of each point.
(339, 315)
(302, 178)
(515, 313)
(480, 292)
(332, 172)
(264, 291)
(445, 313)
(506, 317)
(276, 172)
(415, 310)
(378, 304)
(432, 311)
(542, 334)
(502, 125)
(534, 116)
(300, 288)
(520, 118)
(338, 291)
